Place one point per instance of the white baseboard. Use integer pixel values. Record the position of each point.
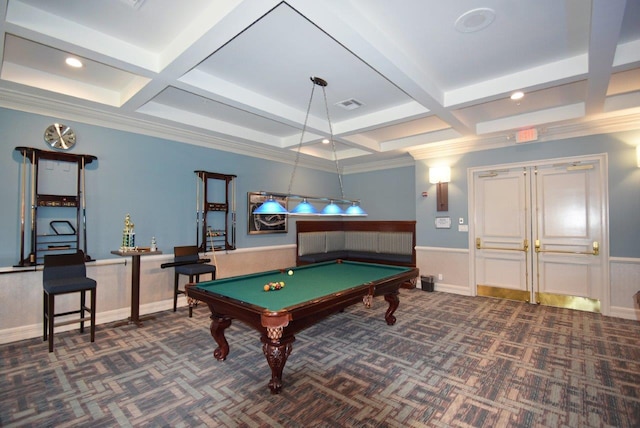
(625, 313)
(616, 311)
(35, 330)
(449, 288)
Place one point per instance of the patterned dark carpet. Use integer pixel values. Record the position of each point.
(449, 361)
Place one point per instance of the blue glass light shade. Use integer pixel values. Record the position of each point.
(355, 210)
(304, 207)
(332, 209)
(270, 206)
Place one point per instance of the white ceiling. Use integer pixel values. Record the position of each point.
(433, 77)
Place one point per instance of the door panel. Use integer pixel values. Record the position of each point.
(557, 208)
(568, 201)
(565, 277)
(563, 203)
(502, 217)
(500, 268)
(501, 244)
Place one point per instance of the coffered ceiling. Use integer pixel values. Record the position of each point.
(427, 77)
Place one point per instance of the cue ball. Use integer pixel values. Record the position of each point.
(290, 272)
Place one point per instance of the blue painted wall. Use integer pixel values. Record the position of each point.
(387, 194)
(154, 181)
(624, 187)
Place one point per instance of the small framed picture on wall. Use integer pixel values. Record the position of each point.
(265, 223)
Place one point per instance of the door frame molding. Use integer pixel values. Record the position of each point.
(602, 160)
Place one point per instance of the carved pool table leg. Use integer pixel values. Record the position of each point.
(218, 326)
(276, 351)
(394, 301)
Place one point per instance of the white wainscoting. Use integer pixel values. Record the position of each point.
(625, 283)
(453, 264)
(21, 290)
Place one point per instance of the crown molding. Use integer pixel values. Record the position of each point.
(605, 124)
(377, 165)
(108, 119)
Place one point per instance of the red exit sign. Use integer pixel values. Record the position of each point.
(525, 135)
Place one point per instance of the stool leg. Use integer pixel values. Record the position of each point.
(45, 316)
(52, 310)
(191, 304)
(93, 314)
(175, 291)
(82, 301)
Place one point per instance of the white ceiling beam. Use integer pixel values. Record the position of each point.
(627, 55)
(41, 25)
(50, 82)
(421, 139)
(547, 75)
(606, 22)
(387, 117)
(359, 140)
(551, 115)
(219, 127)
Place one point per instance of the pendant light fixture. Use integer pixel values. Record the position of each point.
(305, 207)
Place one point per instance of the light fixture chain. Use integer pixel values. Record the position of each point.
(333, 143)
(304, 127)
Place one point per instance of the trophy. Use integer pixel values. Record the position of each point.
(128, 235)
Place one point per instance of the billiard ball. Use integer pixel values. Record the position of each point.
(267, 287)
(290, 272)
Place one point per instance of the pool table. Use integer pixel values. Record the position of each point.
(310, 293)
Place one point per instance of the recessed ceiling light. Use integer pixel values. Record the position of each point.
(517, 95)
(475, 20)
(73, 62)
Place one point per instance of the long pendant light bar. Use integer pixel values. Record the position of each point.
(305, 207)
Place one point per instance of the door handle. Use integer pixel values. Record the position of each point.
(525, 246)
(595, 249)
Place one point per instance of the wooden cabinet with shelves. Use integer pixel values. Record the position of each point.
(216, 211)
(57, 216)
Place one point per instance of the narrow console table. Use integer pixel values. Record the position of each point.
(135, 284)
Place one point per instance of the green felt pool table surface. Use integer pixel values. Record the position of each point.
(307, 283)
(312, 293)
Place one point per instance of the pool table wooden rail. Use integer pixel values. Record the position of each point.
(277, 328)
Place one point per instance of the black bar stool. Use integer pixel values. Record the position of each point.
(187, 262)
(64, 274)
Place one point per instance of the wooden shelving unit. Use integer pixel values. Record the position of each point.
(67, 234)
(216, 211)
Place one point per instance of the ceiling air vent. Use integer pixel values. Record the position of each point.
(350, 104)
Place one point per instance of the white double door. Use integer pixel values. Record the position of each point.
(540, 233)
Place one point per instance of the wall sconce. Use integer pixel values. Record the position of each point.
(638, 156)
(441, 176)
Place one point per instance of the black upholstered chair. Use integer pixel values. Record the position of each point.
(64, 274)
(187, 262)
